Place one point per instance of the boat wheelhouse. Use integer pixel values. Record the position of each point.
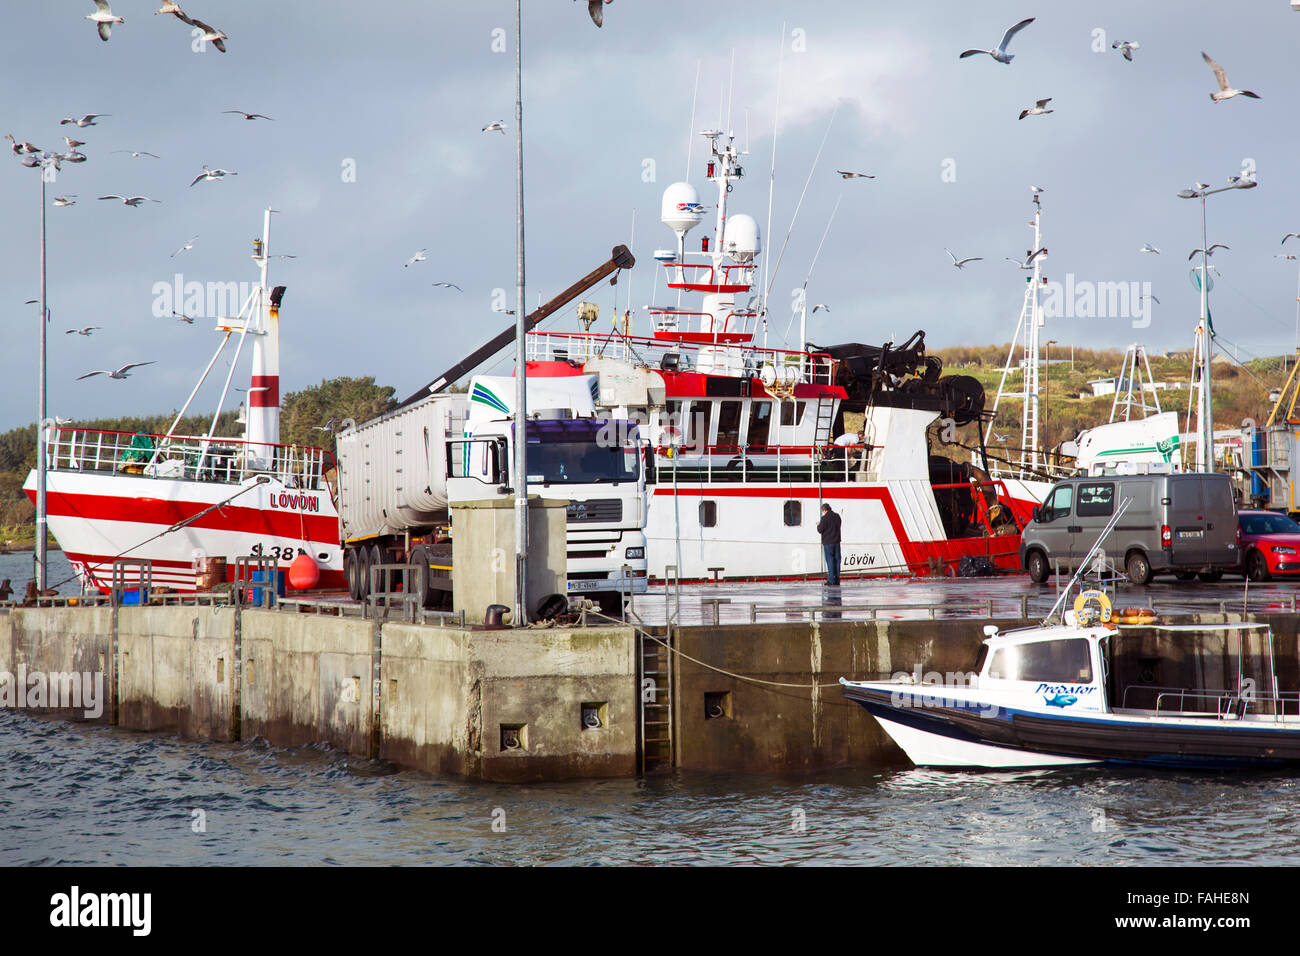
(749, 440)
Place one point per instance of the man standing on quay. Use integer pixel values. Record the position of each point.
(829, 528)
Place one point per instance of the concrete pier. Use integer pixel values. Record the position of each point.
(513, 705)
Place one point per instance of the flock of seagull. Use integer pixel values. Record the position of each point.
(1125, 48)
(30, 155)
(104, 18)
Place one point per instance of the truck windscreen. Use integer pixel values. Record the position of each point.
(576, 463)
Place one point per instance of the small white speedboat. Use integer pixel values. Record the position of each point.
(1080, 692)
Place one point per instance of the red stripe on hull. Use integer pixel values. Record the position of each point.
(922, 557)
(178, 575)
(279, 524)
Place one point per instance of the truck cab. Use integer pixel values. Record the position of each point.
(595, 463)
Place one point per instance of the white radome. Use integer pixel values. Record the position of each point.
(741, 239)
(681, 210)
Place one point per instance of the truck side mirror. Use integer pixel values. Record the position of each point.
(1037, 513)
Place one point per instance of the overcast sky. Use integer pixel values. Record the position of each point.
(399, 91)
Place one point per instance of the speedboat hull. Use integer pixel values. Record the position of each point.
(937, 727)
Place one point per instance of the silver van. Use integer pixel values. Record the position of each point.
(1184, 524)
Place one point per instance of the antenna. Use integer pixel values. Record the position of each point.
(690, 133)
(799, 205)
(771, 181)
(1083, 566)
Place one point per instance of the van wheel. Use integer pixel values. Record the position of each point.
(1037, 566)
(1209, 577)
(1138, 568)
(1257, 567)
(1185, 575)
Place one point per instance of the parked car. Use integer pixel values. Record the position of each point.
(1183, 524)
(1270, 544)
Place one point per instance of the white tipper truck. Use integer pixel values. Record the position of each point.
(399, 473)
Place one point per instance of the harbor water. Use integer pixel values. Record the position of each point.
(83, 794)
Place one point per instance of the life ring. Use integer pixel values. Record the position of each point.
(670, 435)
(1086, 598)
(1137, 615)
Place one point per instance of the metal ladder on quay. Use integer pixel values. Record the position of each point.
(656, 689)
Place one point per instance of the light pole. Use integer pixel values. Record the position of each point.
(1204, 414)
(520, 617)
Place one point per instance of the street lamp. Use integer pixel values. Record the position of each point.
(1205, 423)
(520, 617)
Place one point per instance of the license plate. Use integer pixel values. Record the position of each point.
(588, 585)
(1191, 534)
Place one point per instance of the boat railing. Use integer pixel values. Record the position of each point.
(766, 463)
(1215, 702)
(720, 358)
(183, 457)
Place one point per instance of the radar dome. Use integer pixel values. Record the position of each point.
(682, 210)
(741, 239)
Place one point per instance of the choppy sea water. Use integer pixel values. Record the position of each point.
(81, 794)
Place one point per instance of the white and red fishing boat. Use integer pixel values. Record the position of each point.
(179, 502)
(749, 441)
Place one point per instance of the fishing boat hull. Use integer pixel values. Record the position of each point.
(941, 727)
(99, 517)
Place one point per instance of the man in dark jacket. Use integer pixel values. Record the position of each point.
(829, 528)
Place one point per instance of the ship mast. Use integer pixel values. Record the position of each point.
(1026, 341)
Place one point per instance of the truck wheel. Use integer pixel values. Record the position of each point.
(1037, 566)
(1209, 577)
(1256, 567)
(364, 561)
(420, 579)
(376, 556)
(1138, 568)
(352, 571)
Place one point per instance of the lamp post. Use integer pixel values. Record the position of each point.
(520, 617)
(1204, 414)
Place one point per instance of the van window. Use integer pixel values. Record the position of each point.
(1057, 504)
(1096, 501)
(1056, 662)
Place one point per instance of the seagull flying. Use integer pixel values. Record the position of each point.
(86, 331)
(137, 153)
(1001, 54)
(212, 175)
(960, 263)
(597, 11)
(133, 200)
(418, 257)
(65, 200)
(187, 246)
(1278, 255)
(183, 318)
(449, 285)
(848, 175)
(1029, 260)
(87, 120)
(498, 127)
(1149, 296)
(826, 308)
(210, 35)
(1208, 252)
(1037, 109)
(123, 372)
(251, 116)
(170, 6)
(104, 19)
(1225, 91)
(1288, 236)
(1149, 248)
(1125, 47)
